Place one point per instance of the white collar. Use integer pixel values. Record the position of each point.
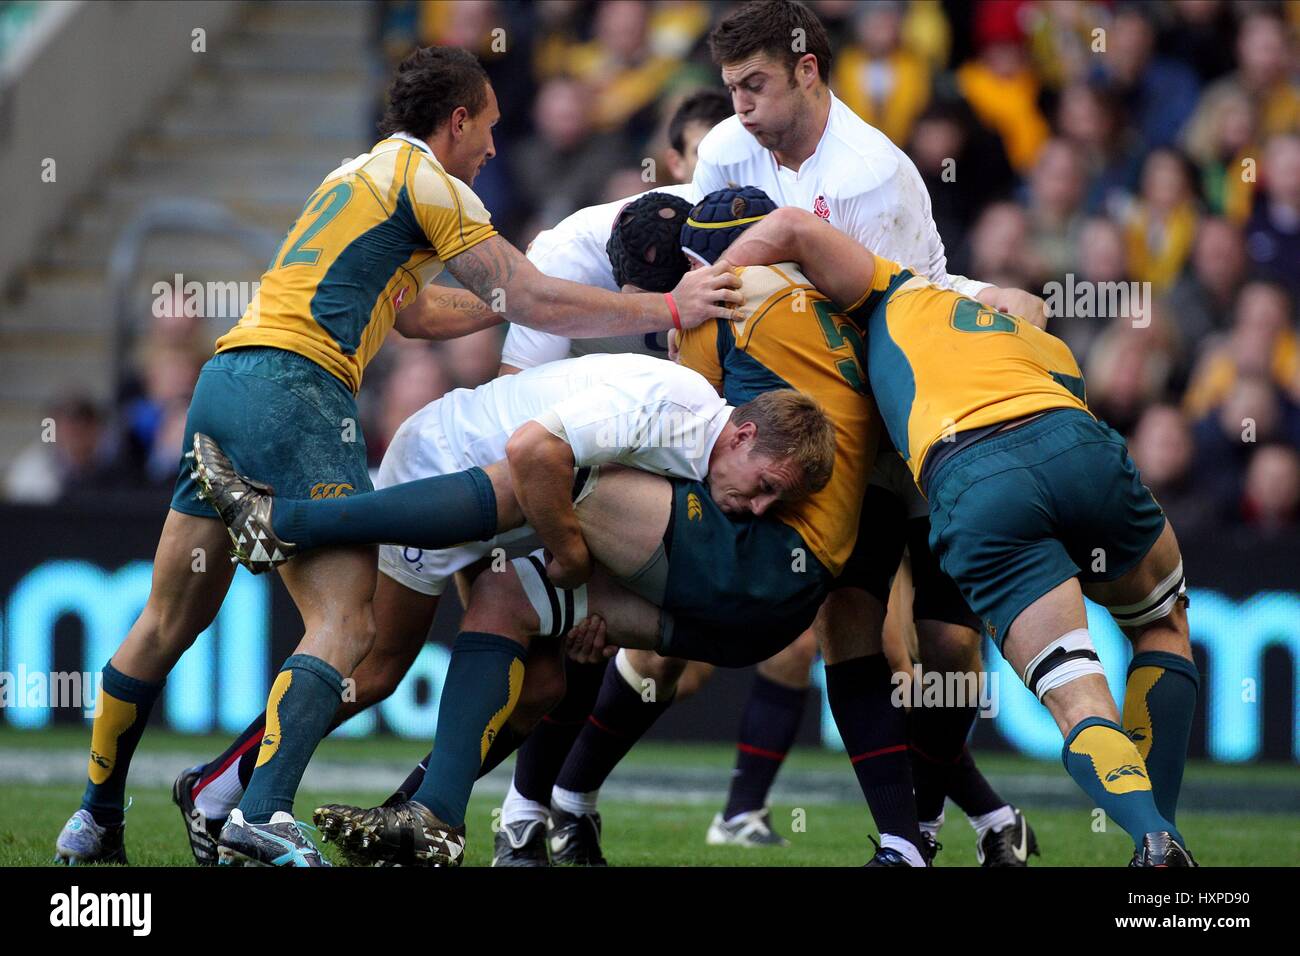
(417, 143)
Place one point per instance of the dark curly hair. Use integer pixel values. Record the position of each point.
(429, 85)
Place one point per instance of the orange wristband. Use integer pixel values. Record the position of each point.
(672, 309)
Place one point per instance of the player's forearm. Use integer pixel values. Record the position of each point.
(496, 272)
(839, 266)
(541, 470)
(441, 312)
(579, 311)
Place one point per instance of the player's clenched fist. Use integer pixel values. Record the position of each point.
(707, 293)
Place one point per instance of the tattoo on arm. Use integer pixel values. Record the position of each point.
(486, 267)
(452, 302)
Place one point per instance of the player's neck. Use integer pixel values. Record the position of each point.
(440, 145)
(810, 134)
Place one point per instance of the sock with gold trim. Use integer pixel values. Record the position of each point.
(303, 700)
(1106, 764)
(481, 689)
(123, 710)
(1159, 701)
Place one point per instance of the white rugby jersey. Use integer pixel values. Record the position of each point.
(575, 250)
(856, 179)
(627, 409)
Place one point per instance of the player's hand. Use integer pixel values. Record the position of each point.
(587, 642)
(674, 345)
(571, 570)
(1028, 306)
(709, 293)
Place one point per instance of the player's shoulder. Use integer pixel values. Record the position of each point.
(761, 284)
(858, 157)
(728, 144)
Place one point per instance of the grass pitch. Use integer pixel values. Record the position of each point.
(651, 818)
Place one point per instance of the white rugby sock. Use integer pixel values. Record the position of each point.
(517, 808)
(572, 802)
(996, 820)
(932, 827)
(909, 852)
(218, 798)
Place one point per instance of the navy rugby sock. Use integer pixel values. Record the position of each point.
(942, 765)
(621, 717)
(768, 727)
(430, 513)
(875, 735)
(543, 754)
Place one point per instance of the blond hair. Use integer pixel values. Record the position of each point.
(791, 425)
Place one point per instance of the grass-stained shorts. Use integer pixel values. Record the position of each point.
(738, 590)
(1017, 513)
(283, 420)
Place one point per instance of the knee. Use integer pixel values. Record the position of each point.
(497, 605)
(543, 689)
(695, 676)
(649, 666)
(791, 666)
(948, 647)
(849, 625)
(378, 675)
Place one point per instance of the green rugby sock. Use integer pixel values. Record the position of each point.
(123, 710)
(1159, 701)
(430, 513)
(1106, 764)
(482, 686)
(301, 706)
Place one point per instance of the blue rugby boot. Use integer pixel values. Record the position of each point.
(83, 841)
(277, 843)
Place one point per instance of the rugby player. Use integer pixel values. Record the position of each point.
(280, 395)
(794, 140)
(1034, 503)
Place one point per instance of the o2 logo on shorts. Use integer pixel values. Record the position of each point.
(414, 556)
(331, 489)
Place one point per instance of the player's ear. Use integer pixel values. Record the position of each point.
(805, 70)
(746, 432)
(676, 163)
(458, 117)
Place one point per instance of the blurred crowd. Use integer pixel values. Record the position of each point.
(1067, 142)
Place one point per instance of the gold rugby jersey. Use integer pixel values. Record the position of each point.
(372, 235)
(942, 363)
(789, 335)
